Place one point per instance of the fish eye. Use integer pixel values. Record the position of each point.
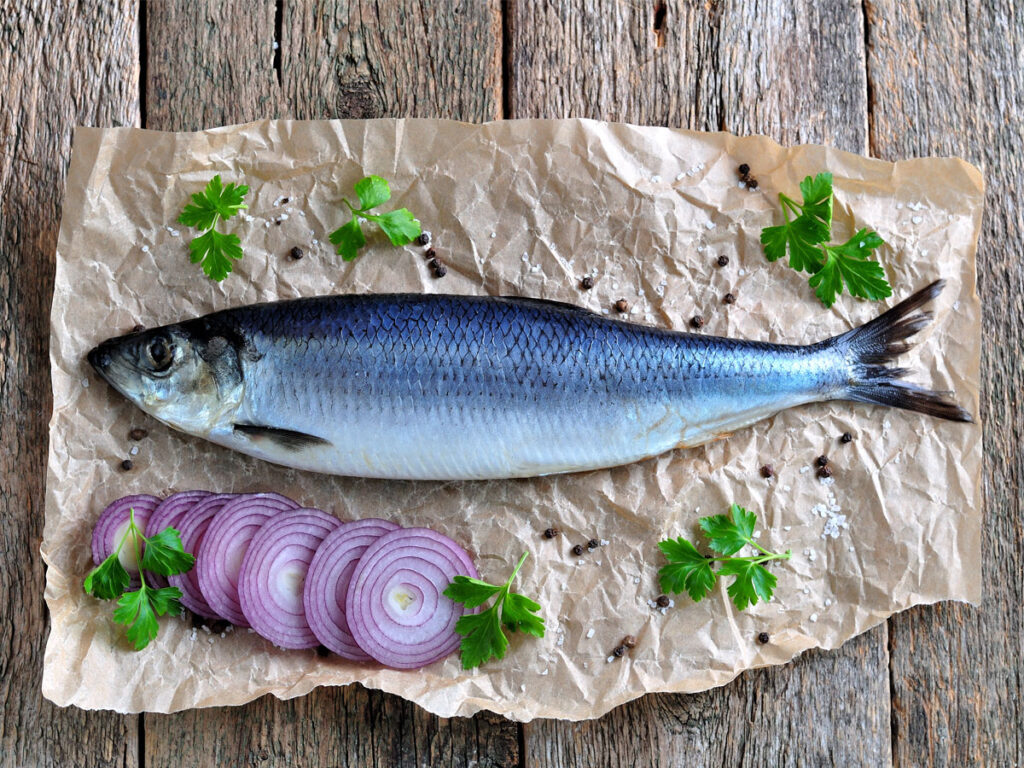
(161, 353)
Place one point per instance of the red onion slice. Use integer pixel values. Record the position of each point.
(224, 546)
(395, 607)
(112, 525)
(327, 583)
(191, 525)
(166, 515)
(273, 572)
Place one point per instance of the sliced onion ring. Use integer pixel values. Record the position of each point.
(395, 607)
(112, 525)
(191, 525)
(273, 572)
(327, 583)
(165, 516)
(224, 546)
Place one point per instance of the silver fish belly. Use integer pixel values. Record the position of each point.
(460, 387)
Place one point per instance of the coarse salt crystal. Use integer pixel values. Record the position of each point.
(636, 579)
(812, 556)
(134, 451)
(861, 244)
(561, 639)
(535, 268)
(850, 548)
(611, 659)
(85, 383)
(679, 176)
(223, 634)
(590, 633)
(786, 527)
(741, 184)
(956, 305)
(276, 45)
(742, 272)
(787, 488)
(807, 590)
(656, 179)
(145, 249)
(283, 217)
(579, 562)
(210, 640)
(494, 235)
(316, 242)
(604, 542)
(814, 617)
(917, 219)
(522, 687)
(266, 223)
(899, 206)
(710, 224)
(757, 534)
(828, 601)
(544, 672)
(804, 470)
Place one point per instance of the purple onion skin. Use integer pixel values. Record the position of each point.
(192, 525)
(165, 515)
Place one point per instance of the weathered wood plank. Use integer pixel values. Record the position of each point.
(335, 59)
(956, 683)
(746, 67)
(59, 66)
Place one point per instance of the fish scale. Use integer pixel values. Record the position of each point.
(468, 387)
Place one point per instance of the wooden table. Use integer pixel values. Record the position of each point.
(936, 685)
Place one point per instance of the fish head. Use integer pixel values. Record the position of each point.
(181, 374)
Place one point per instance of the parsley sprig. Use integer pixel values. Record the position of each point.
(690, 571)
(161, 553)
(483, 638)
(830, 266)
(400, 226)
(214, 249)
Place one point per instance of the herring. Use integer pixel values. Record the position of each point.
(436, 387)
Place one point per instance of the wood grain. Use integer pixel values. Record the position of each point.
(60, 66)
(956, 682)
(335, 60)
(746, 67)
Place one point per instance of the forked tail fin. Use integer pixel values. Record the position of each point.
(872, 345)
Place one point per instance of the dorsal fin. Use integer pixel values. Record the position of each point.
(547, 304)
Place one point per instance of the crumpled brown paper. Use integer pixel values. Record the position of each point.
(526, 207)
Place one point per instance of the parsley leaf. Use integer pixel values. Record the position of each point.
(214, 250)
(482, 635)
(831, 266)
(688, 570)
(400, 226)
(161, 553)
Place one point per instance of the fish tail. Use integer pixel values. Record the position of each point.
(873, 344)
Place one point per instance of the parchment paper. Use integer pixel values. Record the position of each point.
(526, 207)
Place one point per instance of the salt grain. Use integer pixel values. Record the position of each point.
(636, 579)
(145, 249)
(493, 235)
(807, 590)
(804, 470)
(611, 659)
(316, 242)
(210, 641)
(276, 45)
(814, 617)
(710, 225)
(604, 542)
(786, 527)
(742, 272)
(679, 176)
(917, 219)
(535, 268)
(85, 383)
(590, 633)
(656, 179)
(134, 451)
(579, 562)
(544, 672)
(283, 217)
(828, 601)
(787, 488)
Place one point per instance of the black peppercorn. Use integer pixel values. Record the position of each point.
(277, 222)
(663, 601)
(697, 321)
(744, 169)
(424, 238)
(550, 533)
(126, 465)
(138, 327)
(751, 183)
(619, 652)
(825, 471)
(587, 283)
(323, 651)
(763, 638)
(729, 298)
(846, 438)
(621, 306)
(822, 460)
(629, 641)
(137, 434)
(295, 253)
(593, 544)
(767, 471)
(429, 253)
(284, 201)
(577, 550)
(440, 270)
(723, 260)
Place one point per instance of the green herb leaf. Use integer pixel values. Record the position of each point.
(372, 191)
(135, 612)
(161, 553)
(830, 266)
(165, 554)
(213, 249)
(688, 570)
(482, 635)
(108, 579)
(349, 239)
(400, 226)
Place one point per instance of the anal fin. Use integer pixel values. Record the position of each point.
(285, 438)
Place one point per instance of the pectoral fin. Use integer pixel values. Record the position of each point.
(285, 438)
